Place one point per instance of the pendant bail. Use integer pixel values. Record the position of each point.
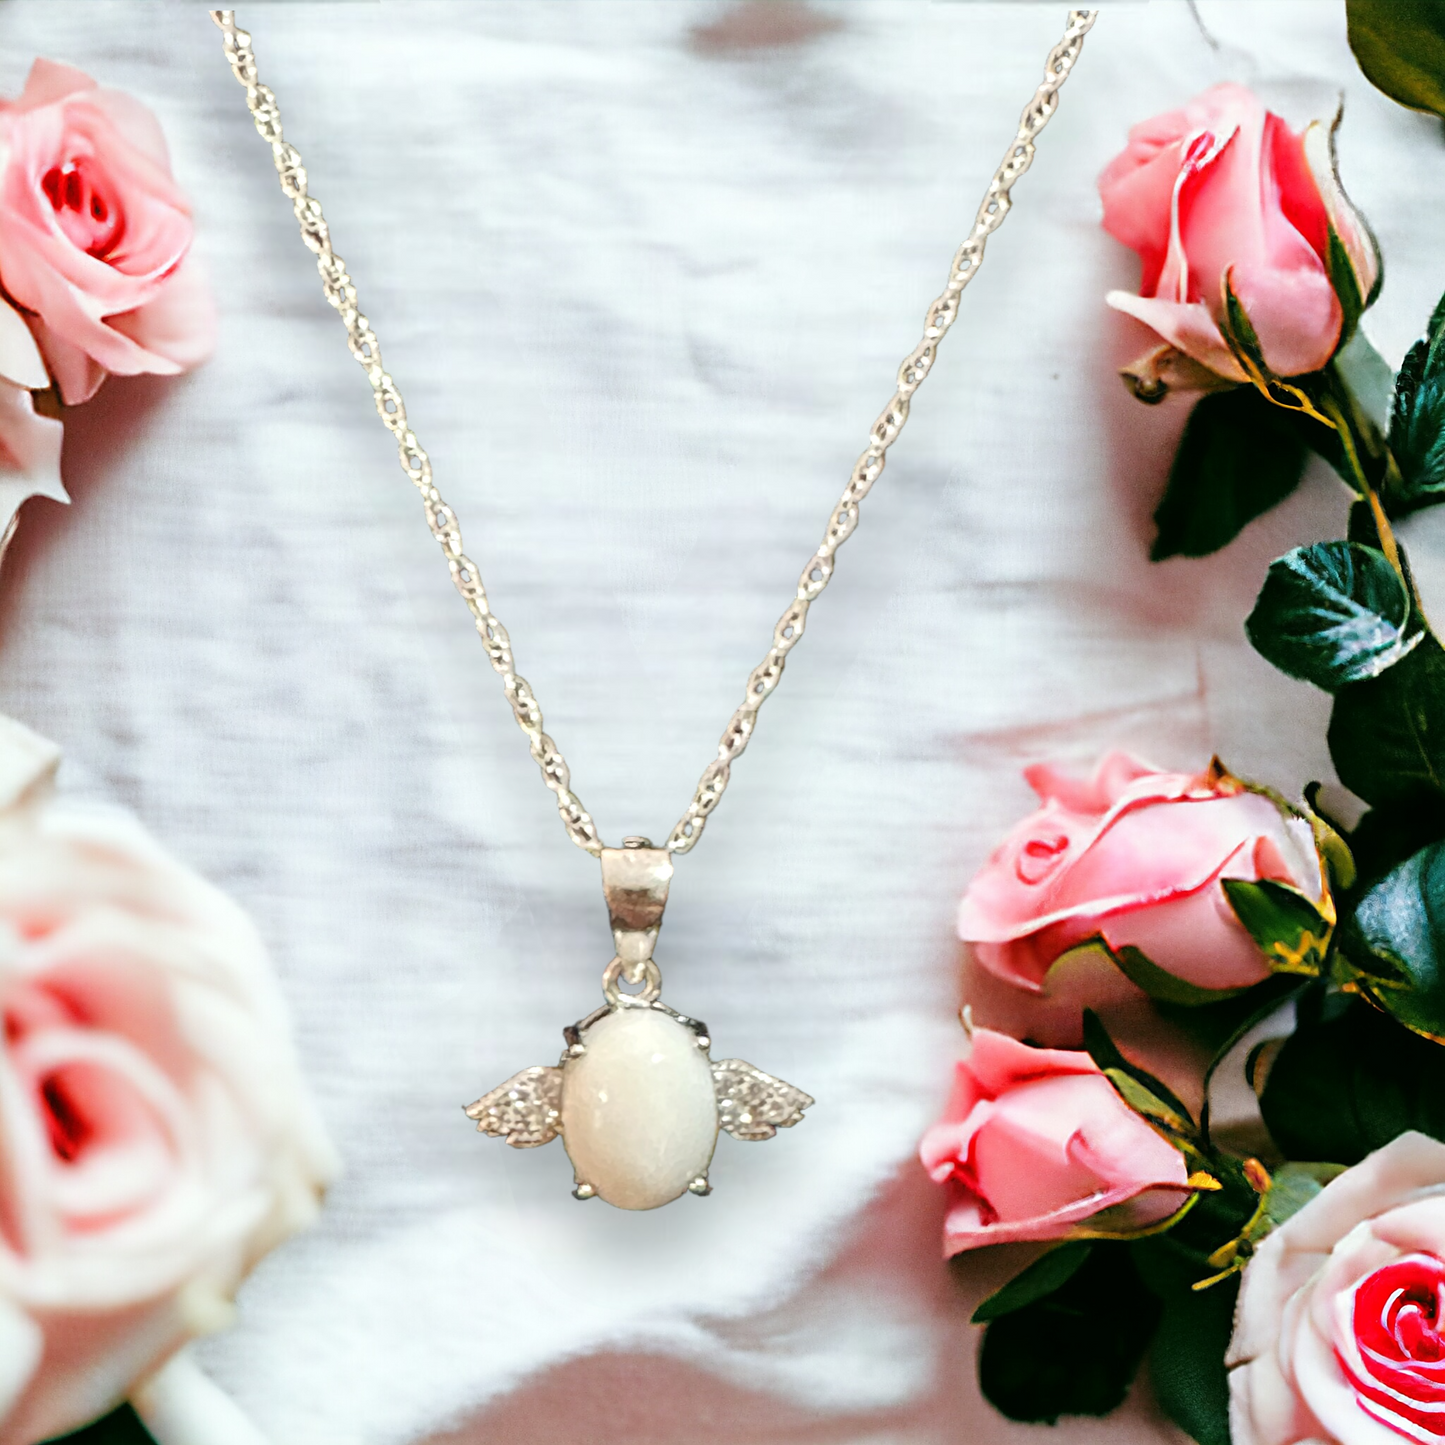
(635, 879)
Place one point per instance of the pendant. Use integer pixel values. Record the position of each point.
(636, 1096)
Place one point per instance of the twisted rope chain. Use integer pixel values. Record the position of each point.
(341, 293)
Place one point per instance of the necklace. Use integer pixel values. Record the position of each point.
(636, 1098)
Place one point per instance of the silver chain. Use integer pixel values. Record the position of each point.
(341, 293)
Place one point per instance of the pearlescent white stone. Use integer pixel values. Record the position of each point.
(639, 1109)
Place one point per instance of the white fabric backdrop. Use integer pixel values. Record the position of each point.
(645, 286)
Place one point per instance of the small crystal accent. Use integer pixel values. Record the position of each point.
(525, 1111)
(752, 1104)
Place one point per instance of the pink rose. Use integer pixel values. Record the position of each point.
(94, 234)
(1224, 187)
(156, 1138)
(1136, 857)
(1339, 1335)
(1036, 1141)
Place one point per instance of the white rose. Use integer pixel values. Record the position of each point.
(1339, 1334)
(155, 1135)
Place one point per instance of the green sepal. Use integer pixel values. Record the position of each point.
(1400, 45)
(1239, 456)
(1042, 1277)
(1344, 284)
(1144, 973)
(1331, 614)
(1285, 1193)
(1288, 926)
(1098, 1323)
(1138, 1088)
(1330, 843)
(1394, 943)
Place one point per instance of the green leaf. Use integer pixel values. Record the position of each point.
(1240, 455)
(1042, 1277)
(120, 1427)
(1349, 1080)
(1331, 614)
(1292, 1186)
(1417, 422)
(1387, 735)
(1387, 836)
(1138, 1088)
(1400, 45)
(1161, 986)
(1291, 931)
(1186, 1361)
(1074, 1351)
(1400, 924)
(1368, 376)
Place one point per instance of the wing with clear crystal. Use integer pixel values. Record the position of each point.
(752, 1104)
(525, 1111)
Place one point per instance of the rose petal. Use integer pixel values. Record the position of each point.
(1187, 326)
(20, 360)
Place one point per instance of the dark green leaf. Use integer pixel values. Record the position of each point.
(120, 1427)
(1186, 1361)
(1349, 1080)
(1387, 836)
(1042, 1277)
(1289, 929)
(1331, 614)
(1400, 45)
(1400, 924)
(1417, 422)
(1387, 735)
(1240, 455)
(1075, 1351)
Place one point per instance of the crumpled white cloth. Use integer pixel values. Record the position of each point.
(645, 291)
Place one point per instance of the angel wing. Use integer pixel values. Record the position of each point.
(752, 1104)
(525, 1111)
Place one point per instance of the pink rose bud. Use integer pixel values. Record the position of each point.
(95, 234)
(1035, 1141)
(1134, 857)
(1224, 186)
(1339, 1334)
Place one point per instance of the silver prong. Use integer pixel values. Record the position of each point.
(584, 1191)
(703, 1042)
(700, 1185)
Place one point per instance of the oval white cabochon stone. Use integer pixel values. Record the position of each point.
(639, 1109)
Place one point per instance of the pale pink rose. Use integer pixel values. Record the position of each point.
(1224, 186)
(155, 1136)
(1134, 856)
(29, 443)
(1339, 1334)
(95, 234)
(1034, 1142)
